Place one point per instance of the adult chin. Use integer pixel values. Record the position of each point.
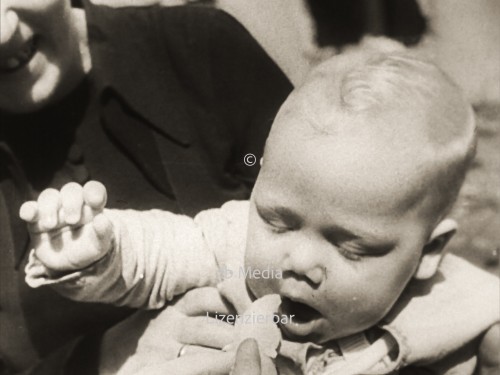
(47, 78)
(48, 88)
(27, 98)
(33, 93)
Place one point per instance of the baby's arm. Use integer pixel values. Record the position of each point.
(124, 257)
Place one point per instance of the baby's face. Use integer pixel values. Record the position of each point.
(336, 215)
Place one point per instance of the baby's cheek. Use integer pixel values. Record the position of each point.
(354, 307)
(261, 277)
(263, 270)
(258, 257)
(374, 305)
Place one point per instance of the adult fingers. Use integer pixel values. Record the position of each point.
(72, 202)
(201, 301)
(247, 360)
(198, 364)
(188, 350)
(205, 363)
(95, 195)
(205, 331)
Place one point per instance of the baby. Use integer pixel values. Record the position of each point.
(347, 217)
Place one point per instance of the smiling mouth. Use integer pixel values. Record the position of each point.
(303, 318)
(23, 56)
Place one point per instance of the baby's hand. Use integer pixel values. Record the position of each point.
(68, 228)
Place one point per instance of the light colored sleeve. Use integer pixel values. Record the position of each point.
(437, 318)
(228, 244)
(156, 255)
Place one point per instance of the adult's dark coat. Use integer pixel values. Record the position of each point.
(175, 99)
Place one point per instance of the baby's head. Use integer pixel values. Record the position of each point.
(361, 167)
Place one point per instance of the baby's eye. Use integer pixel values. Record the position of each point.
(278, 219)
(349, 254)
(274, 222)
(276, 225)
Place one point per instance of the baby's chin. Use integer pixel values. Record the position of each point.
(319, 331)
(305, 331)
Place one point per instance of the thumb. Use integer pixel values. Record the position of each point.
(104, 231)
(247, 360)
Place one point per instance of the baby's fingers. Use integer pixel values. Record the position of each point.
(49, 203)
(72, 202)
(64, 250)
(104, 231)
(29, 212)
(95, 195)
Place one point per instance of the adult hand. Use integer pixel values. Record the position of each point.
(180, 339)
(247, 361)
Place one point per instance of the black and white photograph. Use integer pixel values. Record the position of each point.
(249, 187)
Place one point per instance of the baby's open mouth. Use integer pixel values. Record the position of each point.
(18, 60)
(303, 319)
(302, 313)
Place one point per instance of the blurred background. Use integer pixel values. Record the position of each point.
(461, 36)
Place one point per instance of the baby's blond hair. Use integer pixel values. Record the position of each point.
(438, 122)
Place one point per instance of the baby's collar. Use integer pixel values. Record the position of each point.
(349, 355)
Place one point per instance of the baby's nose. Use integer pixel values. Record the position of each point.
(316, 275)
(306, 263)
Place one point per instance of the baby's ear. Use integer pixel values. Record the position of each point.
(433, 250)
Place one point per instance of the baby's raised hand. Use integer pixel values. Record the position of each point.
(68, 228)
